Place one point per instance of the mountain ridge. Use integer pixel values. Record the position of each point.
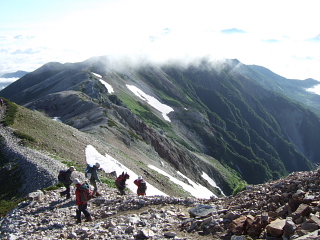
(218, 111)
(17, 74)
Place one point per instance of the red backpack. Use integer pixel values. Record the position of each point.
(86, 193)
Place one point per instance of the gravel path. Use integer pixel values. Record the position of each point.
(39, 170)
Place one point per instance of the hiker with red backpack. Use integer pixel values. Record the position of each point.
(83, 195)
(65, 178)
(142, 186)
(121, 182)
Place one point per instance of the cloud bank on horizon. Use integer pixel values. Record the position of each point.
(280, 35)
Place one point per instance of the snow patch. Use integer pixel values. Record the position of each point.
(164, 109)
(211, 182)
(109, 164)
(107, 85)
(195, 189)
(57, 119)
(97, 75)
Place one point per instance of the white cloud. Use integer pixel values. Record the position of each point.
(8, 80)
(315, 89)
(175, 29)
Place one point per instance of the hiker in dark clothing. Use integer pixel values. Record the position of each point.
(67, 182)
(1, 106)
(94, 178)
(82, 206)
(142, 187)
(121, 182)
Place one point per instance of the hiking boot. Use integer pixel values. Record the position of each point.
(78, 221)
(89, 219)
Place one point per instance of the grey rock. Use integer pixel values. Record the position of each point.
(202, 210)
(169, 234)
(73, 235)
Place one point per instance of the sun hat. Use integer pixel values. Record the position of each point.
(76, 181)
(72, 168)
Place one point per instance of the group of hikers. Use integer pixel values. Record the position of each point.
(83, 192)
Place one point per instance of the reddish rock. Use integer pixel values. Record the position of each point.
(237, 226)
(275, 228)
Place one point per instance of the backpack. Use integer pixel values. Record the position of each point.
(86, 193)
(143, 186)
(62, 176)
(88, 171)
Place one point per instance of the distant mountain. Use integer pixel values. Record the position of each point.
(291, 88)
(229, 120)
(17, 74)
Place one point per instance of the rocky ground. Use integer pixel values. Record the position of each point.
(285, 209)
(48, 216)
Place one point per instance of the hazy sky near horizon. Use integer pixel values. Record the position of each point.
(283, 36)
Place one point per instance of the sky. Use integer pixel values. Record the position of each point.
(283, 36)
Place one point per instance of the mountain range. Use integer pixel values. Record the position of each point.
(231, 121)
(17, 74)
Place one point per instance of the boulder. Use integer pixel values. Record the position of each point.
(237, 226)
(36, 196)
(289, 227)
(275, 228)
(302, 210)
(309, 226)
(202, 210)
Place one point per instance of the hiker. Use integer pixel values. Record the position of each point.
(65, 178)
(81, 203)
(1, 103)
(92, 175)
(142, 186)
(121, 182)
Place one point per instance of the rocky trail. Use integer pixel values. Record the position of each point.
(48, 216)
(284, 209)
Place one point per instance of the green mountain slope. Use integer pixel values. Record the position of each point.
(224, 111)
